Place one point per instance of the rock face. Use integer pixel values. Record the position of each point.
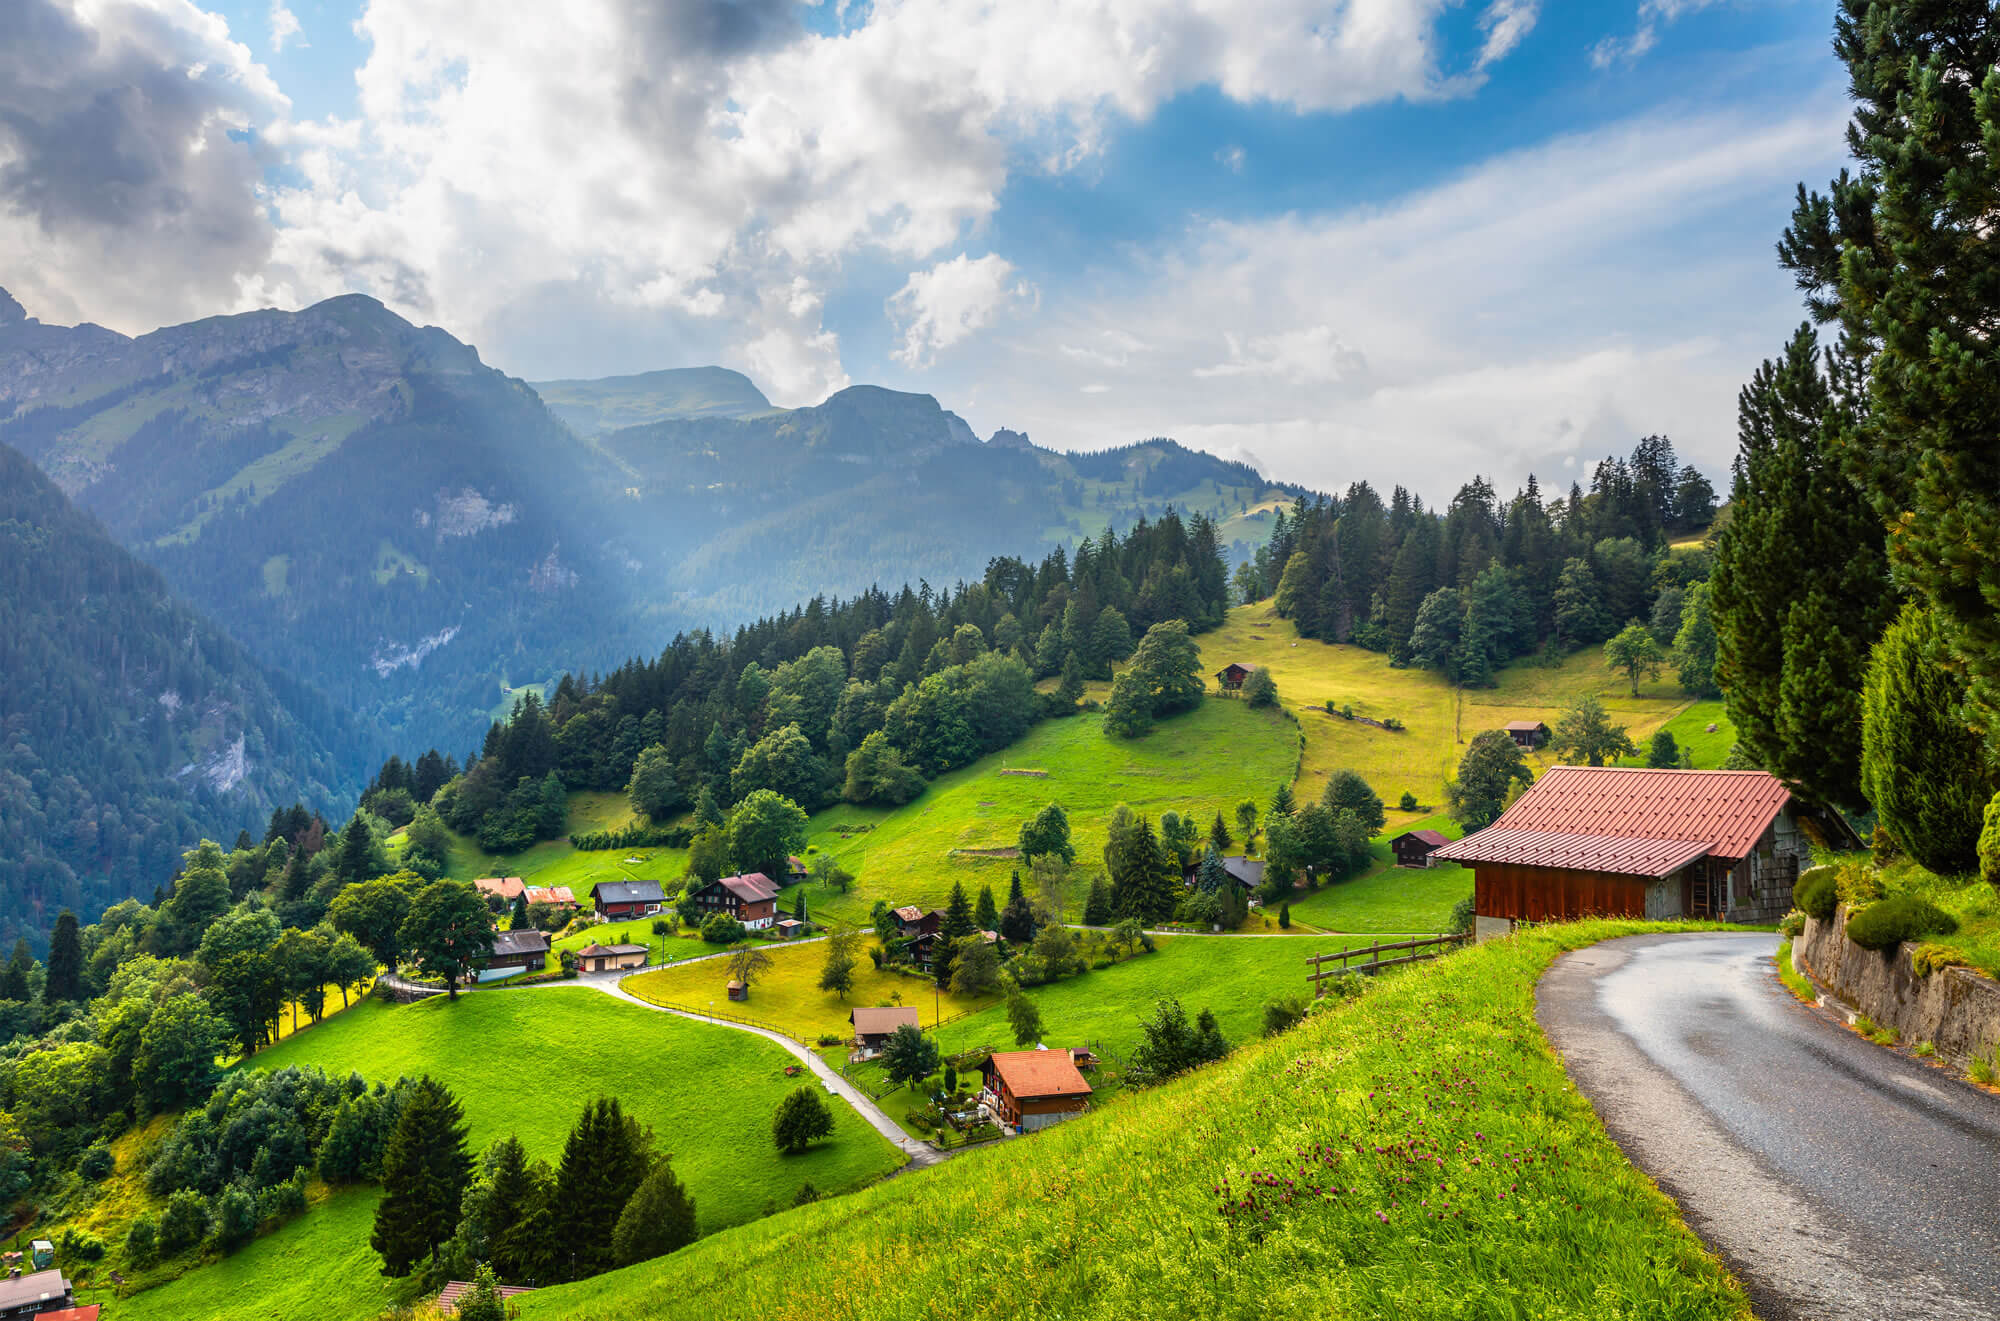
(1956, 1010)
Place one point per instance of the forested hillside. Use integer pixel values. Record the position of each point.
(133, 726)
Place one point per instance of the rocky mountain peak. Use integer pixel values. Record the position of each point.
(11, 311)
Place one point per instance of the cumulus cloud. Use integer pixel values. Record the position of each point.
(1494, 323)
(284, 25)
(937, 308)
(128, 182)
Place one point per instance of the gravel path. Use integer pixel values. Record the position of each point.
(1837, 1179)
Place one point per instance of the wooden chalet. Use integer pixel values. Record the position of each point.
(912, 921)
(1031, 1089)
(750, 899)
(1528, 734)
(514, 951)
(796, 870)
(447, 1302)
(504, 888)
(874, 1026)
(621, 900)
(559, 896)
(1248, 873)
(924, 948)
(611, 958)
(1231, 676)
(1414, 848)
(23, 1296)
(1590, 841)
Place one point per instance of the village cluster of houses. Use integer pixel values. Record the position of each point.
(1021, 1090)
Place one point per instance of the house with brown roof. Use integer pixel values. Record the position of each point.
(1527, 734)
(1415, 848)
(1231, 676)
(912, 921)
(560, 896)
(1031, 1089)
(624, 900)
(505, 888)
(611, 958)
(1607, 841)
(516, 951)
(751, 899)
(23, 1296)
(796, 870)
(873, 1026)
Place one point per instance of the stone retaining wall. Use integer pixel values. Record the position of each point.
(1956, 1010)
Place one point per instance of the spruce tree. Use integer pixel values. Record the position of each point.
(65, 979)
(986, 916)
(518, 919)
(1140, 872)
(957, 914)
(521, 1229)
(657, 1220)
(1800, 590)
(425, 1170)
(1097, 905)
(355, 860)
(14, 980)
(604, 1161)
(1017, 919)
(1219, 838)
(1347, 789)
(1282, 803)
(1924, 771)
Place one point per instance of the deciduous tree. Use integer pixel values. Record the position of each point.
(1584, 734)
(801, 1120)
(1492, 765)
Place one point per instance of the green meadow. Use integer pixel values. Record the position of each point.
(1416, 1152)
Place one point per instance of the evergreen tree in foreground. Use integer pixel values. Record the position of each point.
(604, 1161)
(1924, 771)
(424, 1174)
(659, 1219)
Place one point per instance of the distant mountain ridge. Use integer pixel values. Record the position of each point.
(363, 502)
(133, 725)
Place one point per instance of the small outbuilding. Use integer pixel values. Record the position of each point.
(1231, 676)
(1527, 734)
(873, 1026)
(790, 927)
(1031, 1089)
(447, 1302)
(611, 958)
(796, 870)
(1413, 848)
(738, 990)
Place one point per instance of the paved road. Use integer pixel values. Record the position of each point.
(1838, 1179)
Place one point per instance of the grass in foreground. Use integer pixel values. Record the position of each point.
(1790, 976)
(1417, 1153)
(525, 1062)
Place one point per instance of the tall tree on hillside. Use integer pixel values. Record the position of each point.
(1584, 734)
(65, 980)
(201, 894)
(1635, 651)
(374, 912)
(657, 1220)
(1047, 835)
(1492, 765)
(1800, 590)
(606, 1157)
(425, 1170)
(765, 829)
(1346, 789)
(1694, 644)
(1141, 883)
(354, 860)
(1904, 256)
(449, 933)
(1924, 771)
(1017, 919)
(14, 981)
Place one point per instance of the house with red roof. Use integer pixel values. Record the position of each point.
(1416, 848)
(1030, 1089)
(1607, 841)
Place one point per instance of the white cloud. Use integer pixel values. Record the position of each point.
(1231, 159)
(1506, 23)
(1555, 303)
(284, 26)
(1653, 15)
(938, 308)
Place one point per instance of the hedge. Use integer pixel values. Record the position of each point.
(1887, 924)
(1816, 892)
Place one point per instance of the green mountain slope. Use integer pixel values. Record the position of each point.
(1417, 1153)
(612, 403)
(133, 725)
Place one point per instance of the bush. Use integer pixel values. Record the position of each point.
(1792, 924)
(235, 1218)
(79, 1245)
(1408, 802)
(1816, 893)
(184, 1222)
(1889, 922)
(282, 1201)
(1462, 914)
(1859, 885)
(1283, 1014)
(1989, 843)
(721, 929)
(96, 1163)
(1927, 959)
(140, 1241)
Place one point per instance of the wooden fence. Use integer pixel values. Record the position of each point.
(1369, 958)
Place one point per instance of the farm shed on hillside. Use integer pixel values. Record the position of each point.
(1413, 848)
(1231, 676)
(1529, 734)
(611, 958)
(796, 870)
(751, 899)
(1609, 841)
(1031, 1089)
(1245, 872)
(515, 950)
(875, 1025)
(619, 900)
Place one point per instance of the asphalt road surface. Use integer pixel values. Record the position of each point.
(1837, 1179)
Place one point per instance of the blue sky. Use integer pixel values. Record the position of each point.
(1379, 238)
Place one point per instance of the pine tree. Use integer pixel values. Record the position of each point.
(520, 1220)
(604, 1161)
(425, 1170)
(355, 860)
(1800, 590)
(657, 1220)
(1140, 884)
(1924, 772)
(14, 980)
(1281, 800)
(518, 919)
(1097, 906)
(65, 979)
(1017, 919)
(1219, 838)
(957, 914)
(986, 916)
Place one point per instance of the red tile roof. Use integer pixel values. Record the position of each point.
(1031, 1073)
(1619, 854)
(550, 894)
(88, 1313)
(507, 887)
(1430, 837)
(750, 888)
(1726, 810)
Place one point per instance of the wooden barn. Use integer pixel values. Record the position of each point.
(1031, 1089)
(1415, 848)
(751, 899)
(618, 901)
(1589, 841)
(1527, 734)
(514, 951)
(874, 1025)
(1231, 676)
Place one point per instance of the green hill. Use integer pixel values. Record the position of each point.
(1419, 1152)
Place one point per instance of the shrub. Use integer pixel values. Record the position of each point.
(1984, 1068)
(140, 1241)
(1260, 689)
(235, 1218)
(96, 1163)
(184, 1222)
(1390, 722)
(1989, 843)
(721, 929)
(1815, 893)
(1408, 802)
(1283, 1013)
(1462, 914)
(79, 1245)
(1889, 922)
(282, 1201)
(1792, 924)
(1859, 885)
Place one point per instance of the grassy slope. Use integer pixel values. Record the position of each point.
(526, 1062)
(1203, 761)
(1440, 720)
(1387, 898)
(1439, 1077)
(554, 862)
(1972, 901)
